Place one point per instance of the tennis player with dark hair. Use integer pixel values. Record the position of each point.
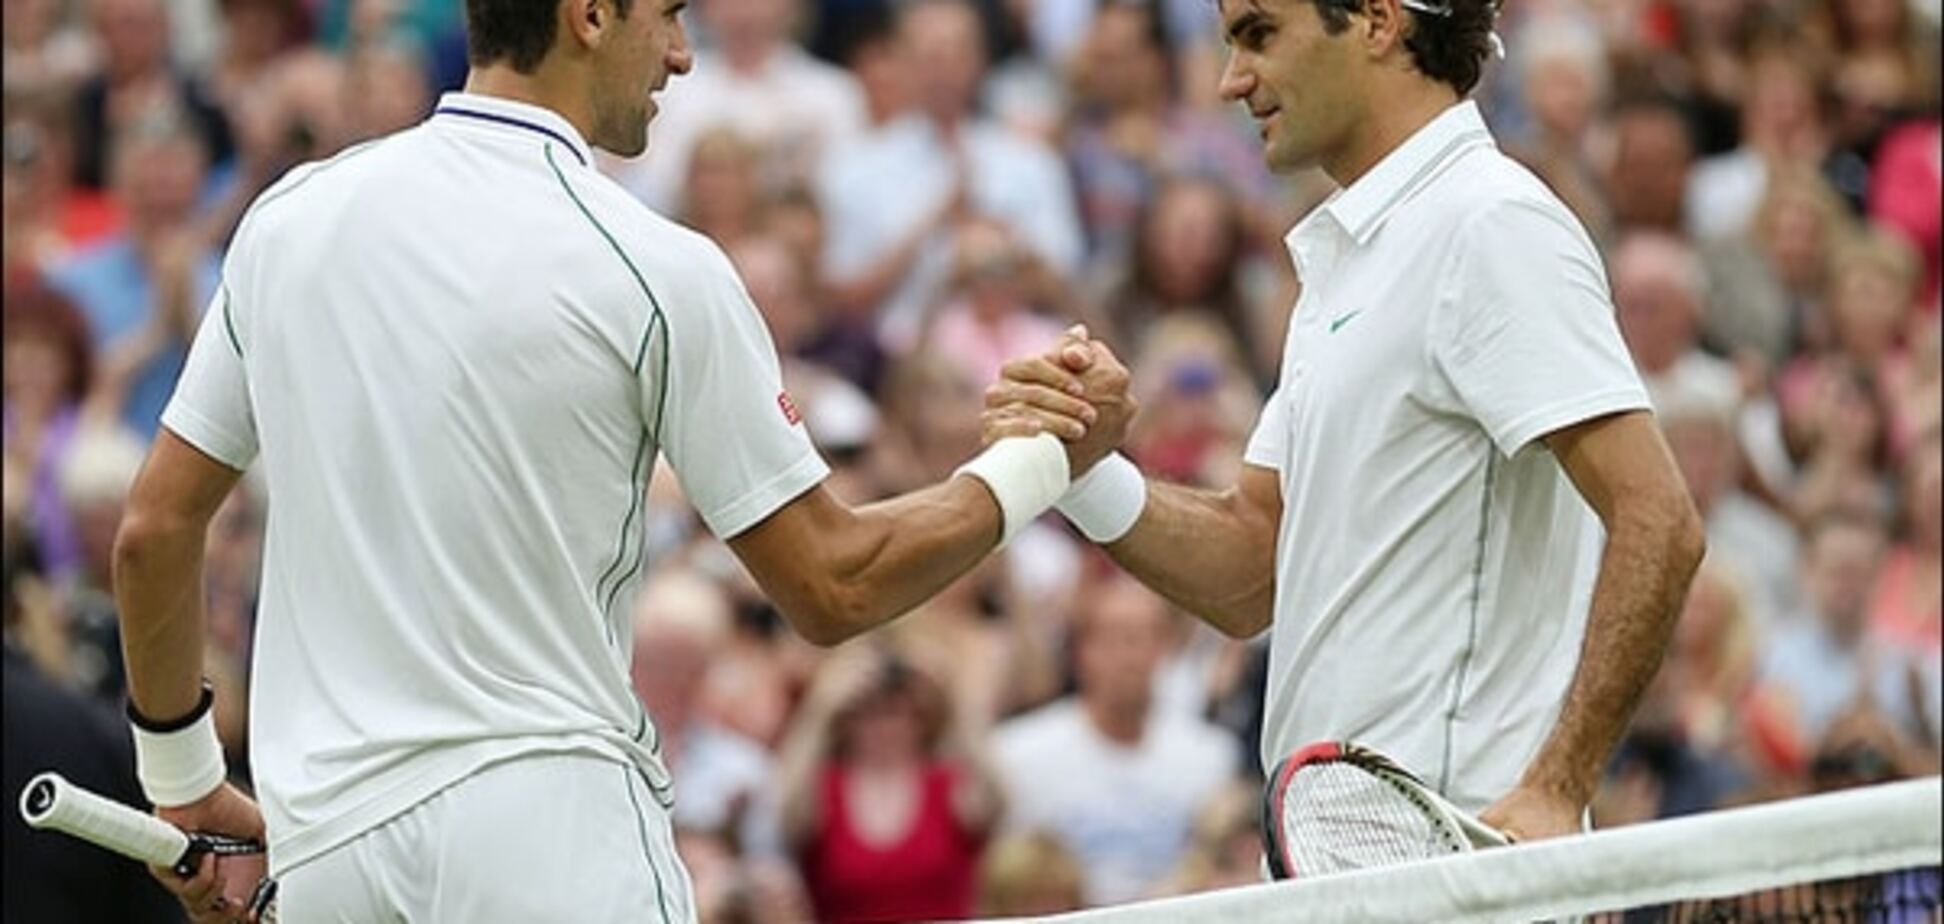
(1420, 517)
(457, 351)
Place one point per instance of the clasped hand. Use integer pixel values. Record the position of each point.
(1077, 390)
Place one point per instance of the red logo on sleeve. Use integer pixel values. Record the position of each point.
(789, 408)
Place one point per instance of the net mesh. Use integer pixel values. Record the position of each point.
(1906, 896)
(1337, 817)
(1869, 856)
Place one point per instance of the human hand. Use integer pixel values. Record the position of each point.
(1533, 813)
(844, 676)
(1078, 391)
(219, 892)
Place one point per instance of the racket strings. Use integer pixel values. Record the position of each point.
(1339, 817)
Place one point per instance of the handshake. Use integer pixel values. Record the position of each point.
(1049, 422)
(1077, 391)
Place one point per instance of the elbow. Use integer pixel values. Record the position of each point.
(1690, 537)
(830, 616)
(136, 540)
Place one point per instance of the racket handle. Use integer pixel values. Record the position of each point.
(50, 802)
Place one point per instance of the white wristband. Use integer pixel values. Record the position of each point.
(1107, 501)
(1025, 475)
(179, 767)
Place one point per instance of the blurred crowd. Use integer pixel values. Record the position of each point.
(916, 190)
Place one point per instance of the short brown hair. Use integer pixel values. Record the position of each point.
(1449, 46)
(520, 32)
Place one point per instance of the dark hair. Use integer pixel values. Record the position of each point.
(520, 32)
(34, 310)
(1450, 47)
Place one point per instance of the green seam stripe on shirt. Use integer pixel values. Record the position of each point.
(1471, 632)
(647, 852)
(637, 491)
(656, 319)
(230, 325)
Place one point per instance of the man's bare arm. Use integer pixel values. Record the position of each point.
(1655, 541)
(158, 577)
(1213, 553)
(835, 571)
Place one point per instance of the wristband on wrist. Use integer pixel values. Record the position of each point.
(1107, 501)
(179, 760)
(1025, 475)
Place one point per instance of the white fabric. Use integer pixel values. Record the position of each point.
(460, 386)
(1435, 564)
(1107, 501)
(543, 838)
(1695, 379)
(1026, 475)
(794, 107)
(1723, 194)
(179, 767)
(1127, 813)
(882, 187)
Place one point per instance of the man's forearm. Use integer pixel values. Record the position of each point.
(836, 571)
(1642, 584)
(158, 591)
(1209, 553)
(915, 546)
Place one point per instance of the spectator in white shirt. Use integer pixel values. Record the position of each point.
(1119, 781)
(1657, 287)
(892, 199)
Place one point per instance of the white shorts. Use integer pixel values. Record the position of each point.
(549, 837)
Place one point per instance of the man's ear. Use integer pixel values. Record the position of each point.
(1384, 25)
(586, 21)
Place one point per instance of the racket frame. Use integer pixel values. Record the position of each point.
(1469, 833)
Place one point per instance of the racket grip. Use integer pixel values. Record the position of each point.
(50, 802)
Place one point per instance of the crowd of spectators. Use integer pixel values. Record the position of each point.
(915, 190)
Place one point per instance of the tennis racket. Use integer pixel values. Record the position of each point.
(52, 803)
(1335, 806)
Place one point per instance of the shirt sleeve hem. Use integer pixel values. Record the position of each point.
(208, 437)
(731, 519)
(1514, 436)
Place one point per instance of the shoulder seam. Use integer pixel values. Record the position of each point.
(636, 492)
(275, 192)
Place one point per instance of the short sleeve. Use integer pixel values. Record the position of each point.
(733, 435)
(1526, 338)
(1269, 444)
(212, 408)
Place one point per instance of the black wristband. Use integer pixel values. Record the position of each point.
(154, 727)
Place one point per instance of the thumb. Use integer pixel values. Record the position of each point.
(1074, 351)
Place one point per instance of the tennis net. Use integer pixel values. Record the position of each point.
(1870, 856)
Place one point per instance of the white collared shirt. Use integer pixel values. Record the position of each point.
(458, 350)
(1435, 564)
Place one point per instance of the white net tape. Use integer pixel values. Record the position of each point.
(1737, 852)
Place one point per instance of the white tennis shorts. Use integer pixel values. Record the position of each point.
(551, 837)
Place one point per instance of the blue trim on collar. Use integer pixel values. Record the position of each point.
(449, 109)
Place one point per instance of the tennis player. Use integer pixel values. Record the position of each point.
(455, 353)
(1420, 516)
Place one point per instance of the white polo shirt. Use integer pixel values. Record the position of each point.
(459, 350)
(1435, 564)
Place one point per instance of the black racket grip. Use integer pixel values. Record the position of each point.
(221, 845)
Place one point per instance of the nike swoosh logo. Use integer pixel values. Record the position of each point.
(1343, 319)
